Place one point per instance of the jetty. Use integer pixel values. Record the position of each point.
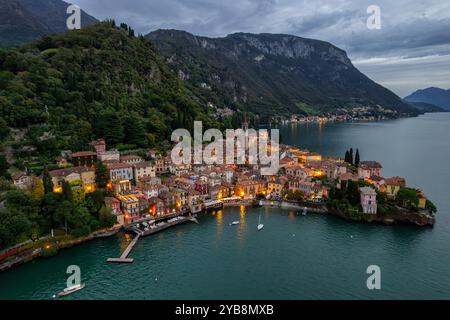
(150, 229)
(124, 257)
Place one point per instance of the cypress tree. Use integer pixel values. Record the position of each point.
(351, 156)
(101, 175)
(67, 191)
(347, 156)
(357, 158)
(47, 180)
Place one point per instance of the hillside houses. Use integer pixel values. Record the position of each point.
(152, 186)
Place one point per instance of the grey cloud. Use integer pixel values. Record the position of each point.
(410, 28)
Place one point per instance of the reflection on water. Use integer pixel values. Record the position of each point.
(242, 224)
(292, 215)
(219, 222)
(125, 241)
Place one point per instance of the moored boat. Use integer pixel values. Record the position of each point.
(71, 290)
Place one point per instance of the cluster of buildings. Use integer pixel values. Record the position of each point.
(152, 186)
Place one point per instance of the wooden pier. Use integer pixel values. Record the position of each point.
(124, 257)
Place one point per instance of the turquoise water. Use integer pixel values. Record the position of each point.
(294, 257)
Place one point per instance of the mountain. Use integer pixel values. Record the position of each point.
(101, 81)
(271, 74)
(426, 107)
(437, 96)
(22, 21)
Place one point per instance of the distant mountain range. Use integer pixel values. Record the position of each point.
(436, 96)
(426, 107)
(22, 21)
(271, 74)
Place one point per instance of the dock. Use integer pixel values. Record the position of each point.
(124, 257)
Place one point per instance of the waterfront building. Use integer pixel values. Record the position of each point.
(248, 188)
(120, 171)
(275, 187)
(78, 176)
(100, 146)
(366, 169)
(84, 158)
(157, 208)
(368, 200)
(201, 186)
(422, 200)
(145, 181)
(143, 169)
(181, 196)
(21, 180)
(305, 186)
(130, 207)
(112, 155)
(194, 201)
(114, 205)
(377, 182)
(170, 204)
(122, 187)
(131, 159)
(160, 165)
(393, 185)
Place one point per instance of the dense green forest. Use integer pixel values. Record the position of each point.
(100, 81)
(63, 91)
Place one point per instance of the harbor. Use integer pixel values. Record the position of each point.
(146, 228)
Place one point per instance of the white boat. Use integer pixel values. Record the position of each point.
(305, 211)
(71, 290)
(234, 223)
(260, 225)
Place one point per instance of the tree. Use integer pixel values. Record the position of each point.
(351, 156)
(63, 214)
(94, 201)
(407, 197)
(14, 227)
(101, 175)
(106, 218)
(37, 191)
(347, 156)
(4, 129)
(78, 196)
(357, 158)
(352, 193)
(47, 180)
(4, 166)
(67, 191)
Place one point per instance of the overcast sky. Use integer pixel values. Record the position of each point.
(410, 51)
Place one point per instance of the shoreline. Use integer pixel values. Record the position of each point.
(389, 219)
(33, 254)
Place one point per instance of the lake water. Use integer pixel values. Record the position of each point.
(294, 257)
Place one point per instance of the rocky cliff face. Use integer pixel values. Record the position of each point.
(271, 73)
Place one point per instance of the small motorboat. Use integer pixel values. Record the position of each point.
(260, 225)
(234, 223)
(305, 211)
(71, 290)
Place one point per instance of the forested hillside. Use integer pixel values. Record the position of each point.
(100, 81)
